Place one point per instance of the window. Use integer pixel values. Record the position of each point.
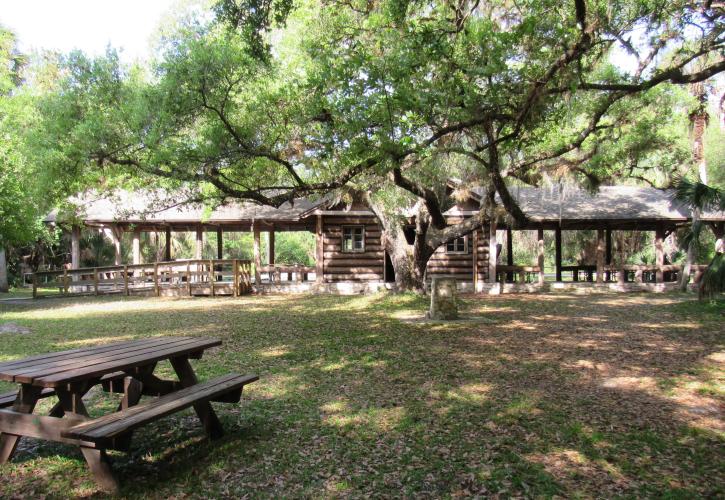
(353, 238)
(457, 246)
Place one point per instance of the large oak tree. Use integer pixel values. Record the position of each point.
(270, 101)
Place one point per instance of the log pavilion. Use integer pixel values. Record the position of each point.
(350, 256)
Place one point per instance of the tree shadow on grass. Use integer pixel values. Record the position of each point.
(561, 396)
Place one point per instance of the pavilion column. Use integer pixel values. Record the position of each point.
(257, 254)
(114, 234)
(509, 252)
(198, 252)
(492, 252)
(659, 254)
(75, 247)
(557, 245)
(600, 255)
(319, 251)
(116, 246)
(540, 236)
(136, 247)
(167, 245)
(270, 247)
(219, 243)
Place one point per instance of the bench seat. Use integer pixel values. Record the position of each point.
(8, 399)
(102, 431)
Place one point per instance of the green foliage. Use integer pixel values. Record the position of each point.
(20, 204)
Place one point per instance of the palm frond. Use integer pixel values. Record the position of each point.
(712, 281)
(697, 195)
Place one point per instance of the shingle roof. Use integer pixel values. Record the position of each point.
(127, 206)
(608, 203)
(540, 204)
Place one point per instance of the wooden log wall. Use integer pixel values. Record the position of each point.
(461, 265)
(352, 266)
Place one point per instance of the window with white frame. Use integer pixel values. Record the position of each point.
(459, 245)
(353, 238)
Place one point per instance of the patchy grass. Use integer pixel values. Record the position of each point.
(558, 395)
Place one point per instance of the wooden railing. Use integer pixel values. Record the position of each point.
(648, 273)
(298, 272)
(520, 273)
(181, 277)
(630, 273)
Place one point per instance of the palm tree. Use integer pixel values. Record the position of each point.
(700, 198)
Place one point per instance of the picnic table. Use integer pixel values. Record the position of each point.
(121, 367)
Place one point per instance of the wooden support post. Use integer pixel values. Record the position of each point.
(509, 253)
(557, 257)
(659, 254)
(211, 278)
(35, 285)
(319, 251)
(257, 254)
(75, 247)
(136, 246)
(600, 255)
(270, 247)
(198, 251)
(219, 243)
(157, 291)
(475, 260)
(540, 236)
(95, 280)
(492, 252)
(167, 247)
(125, 280)
(235, 264)
(65, 280)
(188, 277)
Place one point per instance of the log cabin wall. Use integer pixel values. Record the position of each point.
(460, 265)
(352, 266)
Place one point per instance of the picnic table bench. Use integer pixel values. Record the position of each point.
(122, 367)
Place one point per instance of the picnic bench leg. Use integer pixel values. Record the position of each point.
(72, 401)
(132, 391)
(28, 396)
(204, 411)
(100, 468)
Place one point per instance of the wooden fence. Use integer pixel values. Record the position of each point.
(630, 273)
(181, 277)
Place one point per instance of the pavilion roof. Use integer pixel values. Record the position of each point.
(155, 207)
(554, 204)
(609, 203)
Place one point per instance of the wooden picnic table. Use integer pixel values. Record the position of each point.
(121, 367)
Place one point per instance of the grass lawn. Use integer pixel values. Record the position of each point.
(547, 395)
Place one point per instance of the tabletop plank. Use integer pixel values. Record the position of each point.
(125, 363)
(69, 353)
(27, 374)
(68, 356)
